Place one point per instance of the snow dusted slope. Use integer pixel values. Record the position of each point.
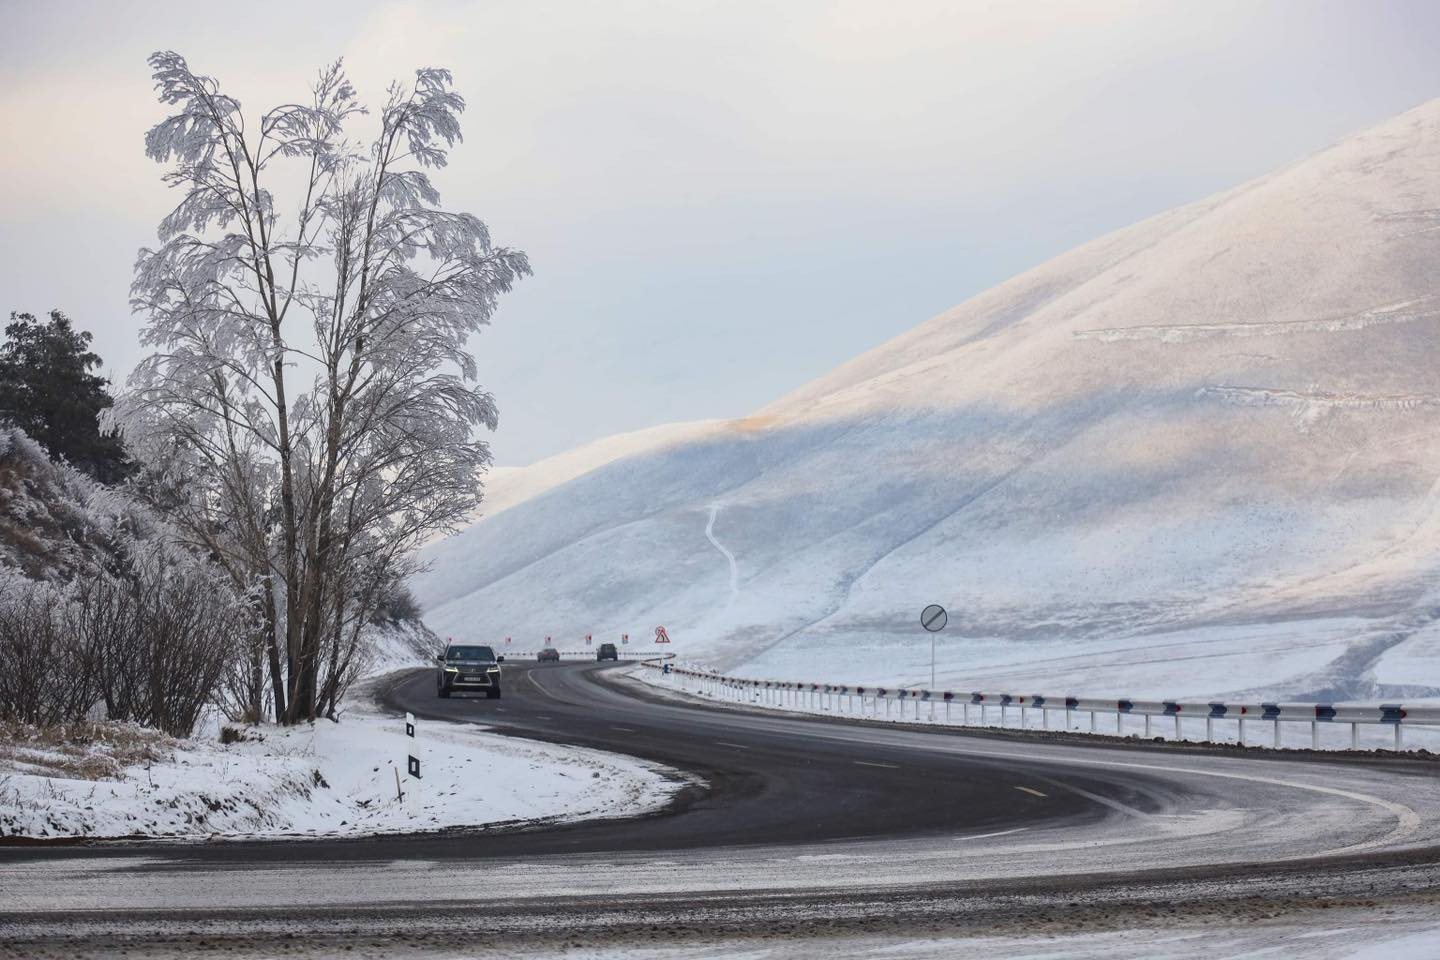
(1196, 456)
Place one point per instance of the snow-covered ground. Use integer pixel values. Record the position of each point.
(327, 779)
(1400, 932)
(1199, 456)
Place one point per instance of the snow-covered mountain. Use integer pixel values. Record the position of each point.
(1196, 456)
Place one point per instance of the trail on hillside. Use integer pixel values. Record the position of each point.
(734, 572)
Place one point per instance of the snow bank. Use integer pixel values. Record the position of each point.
(325, 780)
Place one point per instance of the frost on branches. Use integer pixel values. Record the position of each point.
(309, 406)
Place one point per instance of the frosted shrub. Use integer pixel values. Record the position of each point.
(150, 641)
(46, 673)
(164, 633)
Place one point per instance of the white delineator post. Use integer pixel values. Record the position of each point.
(412, 761)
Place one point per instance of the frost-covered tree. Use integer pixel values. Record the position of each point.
(310, 406)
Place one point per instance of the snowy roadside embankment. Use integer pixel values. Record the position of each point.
(322, 780)
(902, 705)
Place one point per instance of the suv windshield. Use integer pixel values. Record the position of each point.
(469, 653)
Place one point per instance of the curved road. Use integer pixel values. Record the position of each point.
(800, 824)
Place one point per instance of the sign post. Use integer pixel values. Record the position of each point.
(933, 618)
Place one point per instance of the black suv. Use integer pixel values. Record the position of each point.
(607, 652)
(465, 667)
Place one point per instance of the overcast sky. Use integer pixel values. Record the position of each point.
(721, 200)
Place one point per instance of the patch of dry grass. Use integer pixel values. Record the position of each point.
(80, 751)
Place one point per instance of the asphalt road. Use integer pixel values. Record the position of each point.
(793, 825)
(765, 782)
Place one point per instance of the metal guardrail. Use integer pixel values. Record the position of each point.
(587, 653)
(825, 697)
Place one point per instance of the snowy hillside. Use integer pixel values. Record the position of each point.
(1196, 456)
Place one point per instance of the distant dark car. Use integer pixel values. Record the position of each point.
(549, 655)
(468, 667)
(607, 652)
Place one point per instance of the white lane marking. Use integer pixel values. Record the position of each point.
(1035, 793)
(727, 743)
(539, 717)
(734, 572)
(623, 729)
(867, 763)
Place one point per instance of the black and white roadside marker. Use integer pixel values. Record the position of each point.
(412, 762)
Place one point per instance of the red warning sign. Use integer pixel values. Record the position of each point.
(661, 636)
(587, 639)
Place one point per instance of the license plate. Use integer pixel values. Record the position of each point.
(478, 678)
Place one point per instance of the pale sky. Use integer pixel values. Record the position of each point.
(721, 200)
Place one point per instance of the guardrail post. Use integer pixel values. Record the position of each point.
(1044, 718)
(1002, 716)
(1177, 727)
(1242, 731)
(1119, 719)
(1399, 741)
(1024, 716)
(1314, 734)
(1147, 726)
(1354, 736)
(965, 713)
(982, 714)
(1092, 721)
(1277, 733)
(1209, 729)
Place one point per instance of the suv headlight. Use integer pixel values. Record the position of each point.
(493, 669)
